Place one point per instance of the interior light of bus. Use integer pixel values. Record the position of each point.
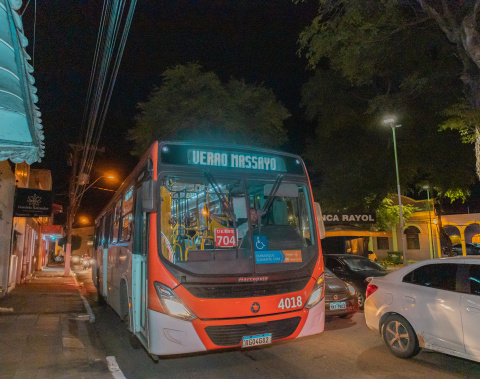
(317, 293)
(172, 303)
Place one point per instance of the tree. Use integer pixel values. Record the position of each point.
(373, 42)
(388, 214)
(195, 105)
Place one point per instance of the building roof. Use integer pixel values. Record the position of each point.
(21, 134)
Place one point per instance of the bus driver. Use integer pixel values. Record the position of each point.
(243, 228)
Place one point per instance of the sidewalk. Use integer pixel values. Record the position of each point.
(45, 330)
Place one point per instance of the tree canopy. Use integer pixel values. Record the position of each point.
(374, 60)
(195, 105)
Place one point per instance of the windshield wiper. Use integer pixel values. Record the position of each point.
(271, 196)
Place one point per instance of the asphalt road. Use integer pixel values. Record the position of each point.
(346, 349)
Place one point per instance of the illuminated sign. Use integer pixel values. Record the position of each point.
(235, 160)
(31, 202)
(346, 218)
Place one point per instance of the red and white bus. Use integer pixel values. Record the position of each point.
(208, 246)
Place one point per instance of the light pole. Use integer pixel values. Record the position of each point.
(391, 123)
(432, 247)
(73, 203)
(96, 180)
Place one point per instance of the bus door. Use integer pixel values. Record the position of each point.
(103, 274)
(139, 268)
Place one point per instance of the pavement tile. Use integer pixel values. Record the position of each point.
(42, 333)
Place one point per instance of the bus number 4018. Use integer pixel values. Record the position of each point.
(290, 302)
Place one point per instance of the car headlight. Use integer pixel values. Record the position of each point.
(172, 303)
(317, 293)
(350, 288)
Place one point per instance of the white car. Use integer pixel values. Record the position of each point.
(433, 304)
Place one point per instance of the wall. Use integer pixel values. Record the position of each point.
(7, 193)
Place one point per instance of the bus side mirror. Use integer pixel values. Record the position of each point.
(320, 224)
(148, 196)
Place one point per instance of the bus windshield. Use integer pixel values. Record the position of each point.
(214, 225)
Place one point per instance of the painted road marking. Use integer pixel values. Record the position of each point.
(114, 369)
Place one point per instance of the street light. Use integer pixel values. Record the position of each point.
(74, 202)
(391, 123)
(96, 180)
(432, 247)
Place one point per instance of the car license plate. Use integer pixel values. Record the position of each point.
(261, 339)
(335, 306)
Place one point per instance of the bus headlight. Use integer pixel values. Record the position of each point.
(172, 303)
(317, 293)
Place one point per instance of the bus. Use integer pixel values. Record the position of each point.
(211, 246)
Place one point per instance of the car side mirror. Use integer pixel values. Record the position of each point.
(149, 203)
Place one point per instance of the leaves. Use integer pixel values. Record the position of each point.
(388, 215)
(195, 105)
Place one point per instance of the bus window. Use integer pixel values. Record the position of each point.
(107, 231)
(127, 215)
(116, 220)
(210, 223)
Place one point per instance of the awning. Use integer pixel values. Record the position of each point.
(21, 134)
(357, 233)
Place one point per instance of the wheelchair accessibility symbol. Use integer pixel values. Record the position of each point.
(261, 243)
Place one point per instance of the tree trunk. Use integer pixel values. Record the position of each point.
(445, 241)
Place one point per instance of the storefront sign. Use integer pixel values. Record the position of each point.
(350, 218)
(32, 203)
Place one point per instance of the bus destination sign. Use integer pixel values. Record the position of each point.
(235, 159)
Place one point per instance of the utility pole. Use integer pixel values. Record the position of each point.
(72, 204)
(71, 208)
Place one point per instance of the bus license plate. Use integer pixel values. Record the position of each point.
(261, 339)
(335, 306)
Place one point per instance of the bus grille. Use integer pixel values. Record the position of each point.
(229, 335)
(242, 290)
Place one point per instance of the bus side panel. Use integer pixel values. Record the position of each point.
(119, 268)
(97, 269)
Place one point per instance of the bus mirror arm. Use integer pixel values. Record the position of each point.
(320, 224)
(149, 203)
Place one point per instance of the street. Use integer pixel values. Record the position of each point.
(346, 349)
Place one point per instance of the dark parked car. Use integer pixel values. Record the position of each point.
(340, 297)
(354, 269)
(471, 248)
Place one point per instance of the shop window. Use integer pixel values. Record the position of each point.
(382, 243)
(413, 241)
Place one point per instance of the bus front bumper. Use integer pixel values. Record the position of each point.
(169, 335)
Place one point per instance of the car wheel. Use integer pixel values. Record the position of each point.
(360, 298)
(400, 337)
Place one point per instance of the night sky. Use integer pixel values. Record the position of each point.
(252, 40)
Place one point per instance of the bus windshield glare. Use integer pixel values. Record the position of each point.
(213, 225)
